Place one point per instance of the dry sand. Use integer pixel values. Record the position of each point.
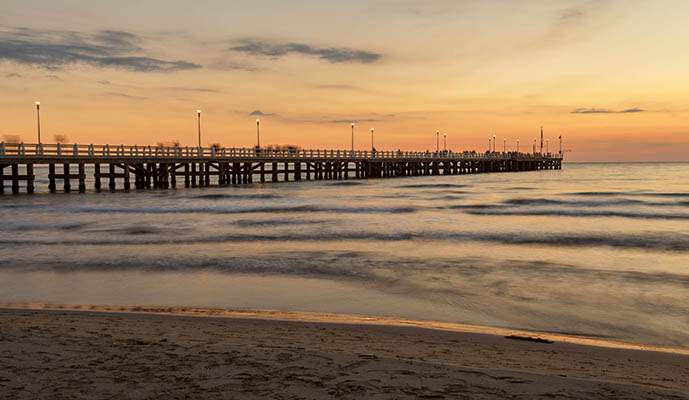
(133, 354)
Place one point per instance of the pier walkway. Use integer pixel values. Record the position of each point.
(164, 167)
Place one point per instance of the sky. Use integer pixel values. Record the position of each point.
(610, 77)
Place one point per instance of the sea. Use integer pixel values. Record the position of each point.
(592, 250)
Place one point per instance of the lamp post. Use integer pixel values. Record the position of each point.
(437, 141)
(489, 144)
(493, 143)
(38, 120)
(534, 146)
(546, 146)
(372, 147)
(560, 144)
(352, 136)
(258, 133)
(517, 145)
(198, 113)
(504, 145)
(445, 141)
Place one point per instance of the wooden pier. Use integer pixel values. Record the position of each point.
(164, 167)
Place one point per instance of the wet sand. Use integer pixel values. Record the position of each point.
(130, 352)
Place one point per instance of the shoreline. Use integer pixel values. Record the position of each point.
(331, 318)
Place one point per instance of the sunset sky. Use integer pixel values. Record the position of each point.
(611, 77)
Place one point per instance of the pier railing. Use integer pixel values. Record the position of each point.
(91, 150)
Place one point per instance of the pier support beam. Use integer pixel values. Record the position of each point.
(68, 185)
(51, 177)
(82, 178)
(29, 178)
(127, 184)
(96, 176)
(15, 178)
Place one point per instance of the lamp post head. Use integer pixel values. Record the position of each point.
(437, 132)
(257, 121)
(371, 130)
(444, 134)
(38, 104)
(198, 112)
(352, 124)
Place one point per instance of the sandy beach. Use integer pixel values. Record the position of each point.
(127, 353)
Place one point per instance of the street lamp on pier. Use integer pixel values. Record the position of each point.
(258, 133)
(198, 114)
(445, 141)
(546, 146)
(372, 146)
(352, 136)
(504, 145)
(437, 141)
(38, 120)
(489, 144)
(534, 146)
(517, 145)
(493, 143)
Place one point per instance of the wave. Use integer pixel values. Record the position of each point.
(432, 186)
(660, 194)
(579, 213)
(29, 226)
(278, 222)
(220, 210)
(346, 183)
(217, 196)
(615, 202)
(648, 241)
(366, 267)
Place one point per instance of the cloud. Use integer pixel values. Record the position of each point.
(126, 96)
(13, 75)
(323, 119)
(260, 113)
(54, 49)
(604, 111)
(276, 49)
(194, 89)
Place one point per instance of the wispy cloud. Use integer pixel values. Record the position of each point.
(194, 89)
(323, 119)
(13, 75)
(276, 49)
(126, 96)
(605, 111)
(54, 49)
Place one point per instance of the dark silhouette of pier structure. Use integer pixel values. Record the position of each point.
(145, 167)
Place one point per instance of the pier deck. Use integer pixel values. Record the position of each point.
(164, 167)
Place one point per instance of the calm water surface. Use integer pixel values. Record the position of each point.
(597, 250)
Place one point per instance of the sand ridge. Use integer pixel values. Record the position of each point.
(85, 354)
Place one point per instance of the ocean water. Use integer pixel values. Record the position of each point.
(595, 250)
